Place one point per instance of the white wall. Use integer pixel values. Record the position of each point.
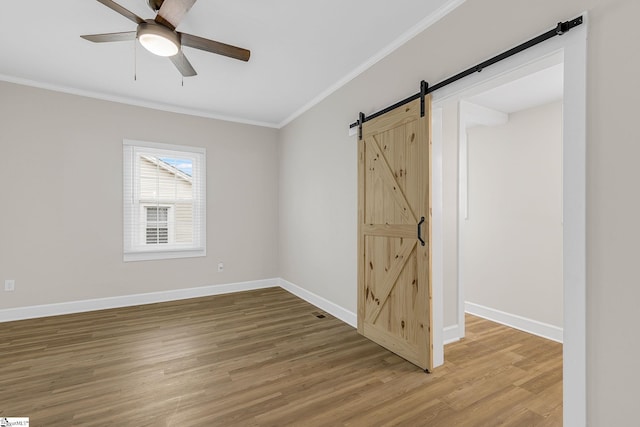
(61, 198)
(511, 240)
(318, 236)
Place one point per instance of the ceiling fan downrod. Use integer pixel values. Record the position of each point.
(155, 5)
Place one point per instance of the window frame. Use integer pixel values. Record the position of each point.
(135, 247)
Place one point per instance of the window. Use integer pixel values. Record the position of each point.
(164, 201)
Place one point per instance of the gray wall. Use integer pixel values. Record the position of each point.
(61, 197)
(475, 31)
(511, 240)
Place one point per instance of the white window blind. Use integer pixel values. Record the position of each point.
(164, 201)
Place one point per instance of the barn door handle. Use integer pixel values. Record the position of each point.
(420, 231)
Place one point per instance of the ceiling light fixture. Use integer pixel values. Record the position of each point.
(158, 39)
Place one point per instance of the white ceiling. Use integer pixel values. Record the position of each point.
(300, 52)
(538, 88)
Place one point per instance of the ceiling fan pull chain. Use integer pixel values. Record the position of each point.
(135, 60)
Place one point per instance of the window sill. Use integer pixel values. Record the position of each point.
(160, 255)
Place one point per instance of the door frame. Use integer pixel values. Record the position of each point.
(573, 46)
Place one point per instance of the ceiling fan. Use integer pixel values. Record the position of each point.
(159, 35)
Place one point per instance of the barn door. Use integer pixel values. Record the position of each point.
(394, 285)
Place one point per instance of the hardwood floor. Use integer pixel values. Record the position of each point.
(262, 358)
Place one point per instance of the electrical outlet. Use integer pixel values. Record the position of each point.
(9, 285)
(220, 267)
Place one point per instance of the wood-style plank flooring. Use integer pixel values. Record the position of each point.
(263, 358)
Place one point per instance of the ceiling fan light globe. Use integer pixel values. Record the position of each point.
(158, 39)
(158, 45)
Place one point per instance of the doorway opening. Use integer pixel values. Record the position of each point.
(510, 201)
(448, 202)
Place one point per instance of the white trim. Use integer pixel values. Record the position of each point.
(531, 326)
(387, 50)
(574, 226)
(133, 101)
(451, 334)
(35, 311)
(333, 309)
(161, 254)
(437, 239)
(168, 149)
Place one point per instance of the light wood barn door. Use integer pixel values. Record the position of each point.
(394, 284)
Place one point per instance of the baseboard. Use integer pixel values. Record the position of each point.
(320, 302)
(32, 312)
(451, 334)
(20, 313)
(534, 327)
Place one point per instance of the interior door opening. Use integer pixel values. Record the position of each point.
(510, 201)
(571, 49)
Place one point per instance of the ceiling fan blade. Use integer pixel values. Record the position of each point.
(182, 64)
(215, 47)
(110, 37)
(122, 11)
(172, 11)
